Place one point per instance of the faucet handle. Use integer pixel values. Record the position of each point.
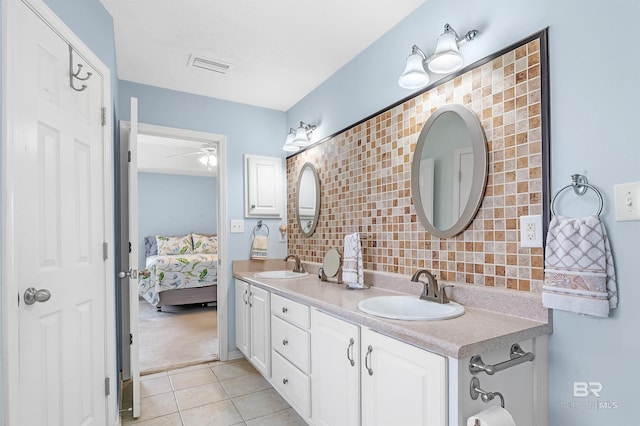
(442, 295)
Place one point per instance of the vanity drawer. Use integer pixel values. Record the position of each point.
(291, 382)
(292, 343)
(294, 312)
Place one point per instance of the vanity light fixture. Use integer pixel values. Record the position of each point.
(288, 144)
(445, 60)
(302, 134)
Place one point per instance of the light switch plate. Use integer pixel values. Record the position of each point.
(627, 197)
(531, 231)
(237, 226)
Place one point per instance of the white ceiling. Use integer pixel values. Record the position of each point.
(157, 154)
(280, 50)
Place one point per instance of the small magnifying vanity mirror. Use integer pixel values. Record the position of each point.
(308, 202)
(449, 171)
(332, 265)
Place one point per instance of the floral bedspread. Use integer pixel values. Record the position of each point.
(176, 271)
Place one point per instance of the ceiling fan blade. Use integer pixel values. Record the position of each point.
(185, 154)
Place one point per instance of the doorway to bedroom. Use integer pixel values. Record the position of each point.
(178, 246)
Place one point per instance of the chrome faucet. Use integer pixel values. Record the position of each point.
(430, 291)
(298, 265)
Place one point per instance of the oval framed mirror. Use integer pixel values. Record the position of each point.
(308, 200)
(449, 171)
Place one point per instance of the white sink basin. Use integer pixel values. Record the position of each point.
(409, 308)
(279, 275)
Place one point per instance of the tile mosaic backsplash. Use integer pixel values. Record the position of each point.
(365, 179)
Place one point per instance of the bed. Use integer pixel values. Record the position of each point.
(180, 270)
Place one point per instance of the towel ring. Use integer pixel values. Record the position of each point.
(259, 226)
(580, 184)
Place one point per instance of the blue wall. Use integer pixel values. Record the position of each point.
(175, 205)
(594, 92)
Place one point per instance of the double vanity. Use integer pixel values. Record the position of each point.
(339, 357)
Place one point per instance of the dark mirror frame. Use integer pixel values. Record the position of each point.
(543, 36)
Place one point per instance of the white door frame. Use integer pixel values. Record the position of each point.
(221, 182)
(10, 324)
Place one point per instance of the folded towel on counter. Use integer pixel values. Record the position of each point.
(352, 267)
(579, 274)
(259, 248)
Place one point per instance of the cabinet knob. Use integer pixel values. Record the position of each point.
(253, 206)
(285, 342)
(284, 310)
(285, 381)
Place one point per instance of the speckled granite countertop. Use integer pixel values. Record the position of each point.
(498, 319)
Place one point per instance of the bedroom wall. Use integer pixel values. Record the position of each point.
(175, 205)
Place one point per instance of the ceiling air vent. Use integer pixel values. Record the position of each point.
(210, 64)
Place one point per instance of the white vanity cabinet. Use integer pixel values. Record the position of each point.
(291, 353)
(401, 384)
(362, 377)
(253, 326)
(335, 365)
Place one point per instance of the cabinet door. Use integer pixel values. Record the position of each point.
(260, 330)
(263, 186)
(242, 315)
(401, 384)
(335, 359)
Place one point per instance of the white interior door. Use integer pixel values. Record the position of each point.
(55, 232)
(133, 257)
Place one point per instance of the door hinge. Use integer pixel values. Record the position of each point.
(129, 247)
(105, 250)
(107, 386)
(130, 339)
(104, 116)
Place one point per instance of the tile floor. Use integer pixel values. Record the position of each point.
(218, 393)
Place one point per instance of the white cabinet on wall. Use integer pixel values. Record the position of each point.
(335, 371)
(263, 186)
(401, 384)
(253, 325)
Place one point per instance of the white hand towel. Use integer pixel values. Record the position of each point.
(492, 416)
(259, 248)
(579, 271)
(352, 269)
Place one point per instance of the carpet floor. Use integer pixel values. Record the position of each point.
(176, 337)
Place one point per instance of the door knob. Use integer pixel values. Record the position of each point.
(131, 273)
(33, 295)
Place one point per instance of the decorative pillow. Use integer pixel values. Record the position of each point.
(150, 246)
(174, 245)
(205, 243)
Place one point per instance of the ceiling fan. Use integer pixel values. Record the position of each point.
(207, 155)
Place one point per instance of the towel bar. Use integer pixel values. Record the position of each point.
(518, 356)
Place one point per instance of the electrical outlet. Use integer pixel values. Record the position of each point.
(237, 226)
(531, 231)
